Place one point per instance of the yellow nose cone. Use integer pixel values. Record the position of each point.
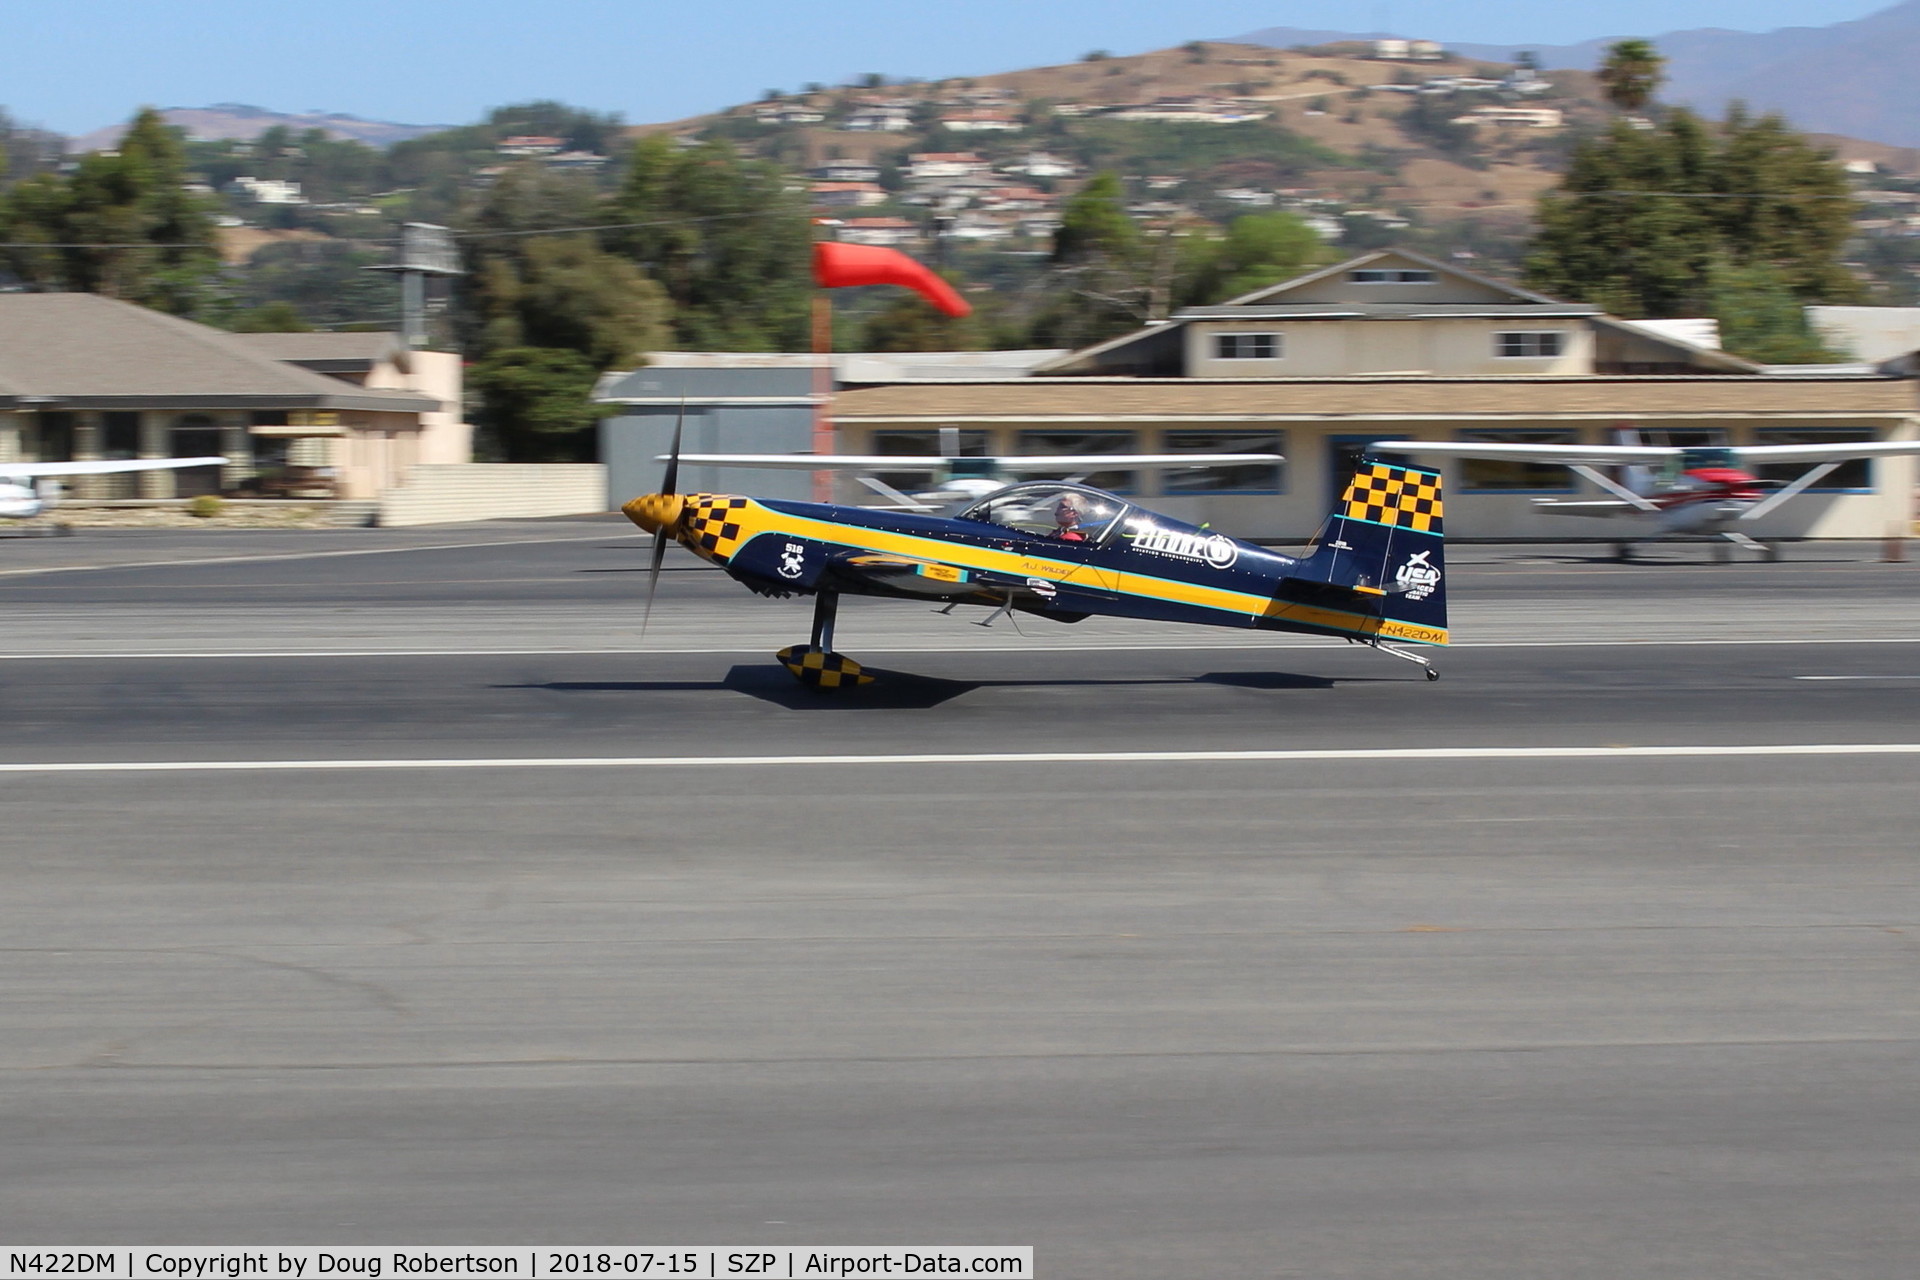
(655, 511)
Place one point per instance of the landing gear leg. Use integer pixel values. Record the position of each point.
(815, 663)
(1623, 552)
(1405, 656)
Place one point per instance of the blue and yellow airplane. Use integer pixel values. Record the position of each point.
(1055, 549)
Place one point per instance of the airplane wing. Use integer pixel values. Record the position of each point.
(812, 461)
(1825, 452)
(1586, 506)
(34, 470)
(1565, 455)
(935, 465)
(1134, 461)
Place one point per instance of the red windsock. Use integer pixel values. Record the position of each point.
(839, 266)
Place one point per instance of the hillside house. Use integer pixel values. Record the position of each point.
(878, 119)
(846, 171)
(890, 233)
(980, 120)
(923, 166)
(846, 195)
(531, 145)
(1514, 117)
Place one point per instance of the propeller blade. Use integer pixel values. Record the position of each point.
(653, 576)
(672, 477)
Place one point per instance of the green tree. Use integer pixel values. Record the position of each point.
(326, 281)
(1625, 230)
(163, 252)
(535, 403)
(1105, 271)
(727, 239)
(1785, 202)
(1257, 250)
(271, 317)
(1761, 317)
(566, 292)
(908, 322)
(1095, 227)
(1631, 74)
(1643, 216)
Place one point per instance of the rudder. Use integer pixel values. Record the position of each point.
(1385, 539)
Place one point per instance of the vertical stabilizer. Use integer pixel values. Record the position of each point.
(1385, 539)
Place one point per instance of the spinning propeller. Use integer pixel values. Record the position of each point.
(660, 513)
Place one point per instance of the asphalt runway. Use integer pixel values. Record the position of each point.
(1033, 964)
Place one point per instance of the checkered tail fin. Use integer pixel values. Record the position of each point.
(1384, 540)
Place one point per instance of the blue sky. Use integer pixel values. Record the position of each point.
(76, 65)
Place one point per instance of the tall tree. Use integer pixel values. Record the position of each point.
(1645, 217)
(147, 239)
(1626, 229)
(548, 310)
(535, 404)
(726, 238)
(1632, 73)
(1105, 268)
(1785, 203)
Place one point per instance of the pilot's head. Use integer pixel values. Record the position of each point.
(1065, 514)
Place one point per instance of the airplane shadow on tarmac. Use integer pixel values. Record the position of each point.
(903, 690)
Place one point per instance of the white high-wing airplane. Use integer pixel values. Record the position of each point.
(24, 493)
(961, 477)
(1674, 491)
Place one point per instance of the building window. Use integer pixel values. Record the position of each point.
(1854, 476)
(1247, 346)
(1529, 344)
(1378, 275)
(56, 435)
(1483, 475)
(120, 435)
(1081, 443)
(1253, 478)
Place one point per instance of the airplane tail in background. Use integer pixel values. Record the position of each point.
(1384, 540)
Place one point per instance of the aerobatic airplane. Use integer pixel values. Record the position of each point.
(1673, 491)
(22, 499)
(1056, 549)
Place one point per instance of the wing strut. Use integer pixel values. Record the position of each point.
(1613, 486)
(1798, 487)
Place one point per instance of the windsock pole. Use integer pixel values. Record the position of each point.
(822, 389)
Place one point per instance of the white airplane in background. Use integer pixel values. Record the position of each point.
(1674, 491)
(26, 493)
(961, 477)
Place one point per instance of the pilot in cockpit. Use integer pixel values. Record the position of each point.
(1066, 516)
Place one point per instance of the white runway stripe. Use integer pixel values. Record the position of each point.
(964, 758)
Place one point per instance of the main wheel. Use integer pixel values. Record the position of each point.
(1432, 674)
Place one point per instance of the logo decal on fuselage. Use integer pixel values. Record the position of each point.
(1212, 549)
(792, 560)
(1417, 578)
